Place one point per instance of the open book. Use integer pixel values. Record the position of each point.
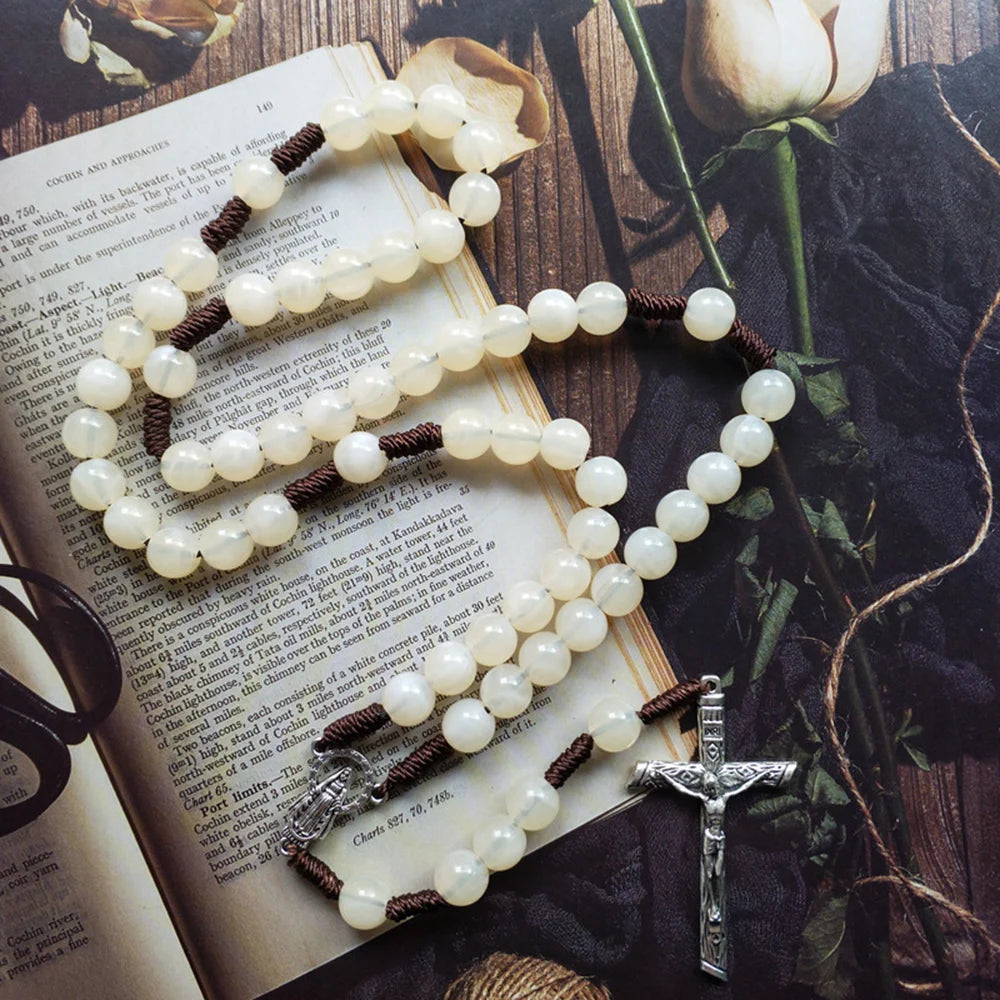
(156, 873)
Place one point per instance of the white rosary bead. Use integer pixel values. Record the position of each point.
(187, 466)
(408, 698)
(506, 691)
(461, 878)
(544, 658)
(491, 639)
(89, 433)
(474, 198)
(348, 274)
(528, 606)
(373, 393)
(506, 331)
(441, 110)
(747, 440)
(300, 286)
(252, 299)
(683, 515)
(499, 843)
(284, 438)
(236, 455)
(159, 303)
(225, 544)
(329, 414)
(390, 107)
(614, 725)
(565, 574)
(466, 433)
(97, 483)
(362, 902)
(358, 458)
(170, 372)
(395, 257)
(553, 315)
(582, 625)
(592, 533)
(515, 439)
(450, 668)
(459, 345)
(478, 146)
(601, 481)
(126, 341)
(715, 477)
(651, 552)
(467, 726)
(616, 590)
(602, 308)
(345, 124)
(709, 314)
(416, 370)
(564, 443)
(532, 803)
(173, 553)
(768, 394)
(271, 519)
(190, 265)
(130, 522)
(439, 235)
(103, 384)
(258, 182)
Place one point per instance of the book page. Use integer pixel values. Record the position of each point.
(230, 676)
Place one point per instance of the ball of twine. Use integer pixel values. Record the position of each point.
(517, 977)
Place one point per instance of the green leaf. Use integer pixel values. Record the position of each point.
(828, 525)
(756, 505)
(815, 128)
(822, 938)
(757, 140)
(916, 755)
(772, 621)
(827, 392)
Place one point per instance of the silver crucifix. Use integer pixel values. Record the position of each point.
(713, 781)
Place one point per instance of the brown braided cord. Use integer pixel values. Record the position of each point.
(756, 351)
(201, 324)
(417, 440)
(314, 486)
(344, 731)
(413, 766)
(292, 153)
(648, 305)
(156, 419)
(227, 225)
(313, 870)
(674, 698)
(411, 903)
(566, 764)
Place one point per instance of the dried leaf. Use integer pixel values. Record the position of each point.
(824, 933)
(772, 621)
(756, 505)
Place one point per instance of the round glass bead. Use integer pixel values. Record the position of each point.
(103, 384)
(459, 345)
(532, 803)
(271, 519)
(709, 314)
(450, 668)
(506, 331)
(478, 146)
(467, 726)
(564, 443)
(395, 257)
(768, 394)
(362, 902)
(499, 843)
(683, 515)
(715, 477)
(187, 466)
(170, 372)
(300, 286)
(236, 455)
(614, 725)
(461, 878)
(284, 438)
(747, 440)
(173, 552)
(126, 341)
(650, 552)
(408, 698)
(89, 433)
(528, 606)
(565, 574)
(258, 181)
(601, 481)
(390, 107)
(329, 414)
(373, 393)
(97, 483)
(439, 235)
(505, 691)
(592, 532)
(441, 110)
(416, 370)
(358, 457)
(474, 198)
(515, 439)
(616, 590)
(345, 124)
(190, 265)
(159, 303)
(582, 625)
(491, 639)
(130, 522)
(553, 315)
(466, 433)
(602, 308)
(225, 544)
(252, 299)
(348, 274)
(544, 658)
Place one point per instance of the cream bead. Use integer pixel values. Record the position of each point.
(159, 303)
(544, 658)
(103, 384)
(553, 315)
(390, 107)
(466, 433)
(236, 455)
(491, 639)
(89, 433)
(565, 574)
(362, 902)
(300, 286)
(582, 625)
(616, 590)
(284, 438)
(459, 345)
(190, 265)
(395, 257)
(614, 725)
(416, 370)
(499, 843)
(348, 274)
(747, 440)
(439, 235)
(345, 124)
(478, 146)
(271, 519)
(225, 544)
(683, 515)
(768, 394)
(170, 372)
(450, 668)
(601, 481)
(441, 110)
(602, 308)
(650, 552)
(709, 314)
(564, 443)
(506, 331)
(173, 553)
(505, 691)
(715, 477)
(532, 803)
(528, 606)
(97, 483)
(474, 198)
(258, 182)
(592, 533)
(126, 341)
(467, 726)
(358, 458)
(515, 439)
(373, 393)
(461, 878)
(130, 522)
(252, 299)
(187, 466)
(408, 698)
(329, 414)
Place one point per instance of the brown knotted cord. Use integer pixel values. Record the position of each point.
(563, 767)
(156, 417)
(417, 440)
(412, 767)
(409, 904)
(292, 153)
(313, 870)
(355, 726)
(667, 701)
(205, 321)
(227, 225)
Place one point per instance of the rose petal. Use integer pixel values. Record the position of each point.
(74, 35)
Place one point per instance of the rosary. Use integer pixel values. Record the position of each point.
(529, 642)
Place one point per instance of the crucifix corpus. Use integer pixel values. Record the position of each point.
(713, 781)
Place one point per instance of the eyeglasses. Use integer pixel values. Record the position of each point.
(83, 652)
